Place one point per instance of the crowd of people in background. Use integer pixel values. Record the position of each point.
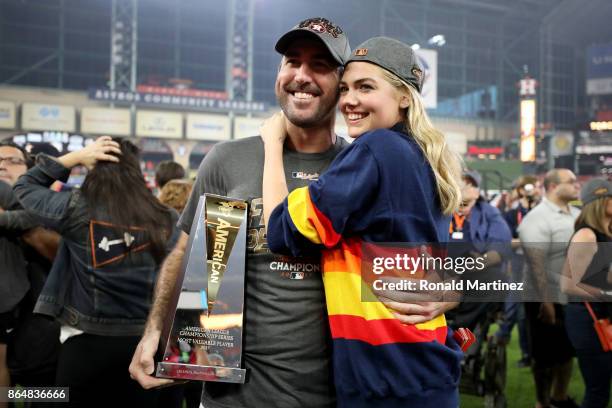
(38, 351)
(80, 265)
(550, 243)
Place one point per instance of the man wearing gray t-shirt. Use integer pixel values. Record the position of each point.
(286, 340)
(545, 232)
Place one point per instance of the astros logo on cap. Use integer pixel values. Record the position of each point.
(600, 191)
(317, 27)
(321, 25)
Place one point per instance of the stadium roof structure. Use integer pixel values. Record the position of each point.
(576, 22)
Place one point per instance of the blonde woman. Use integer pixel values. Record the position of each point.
(397, 182)
(589, 276)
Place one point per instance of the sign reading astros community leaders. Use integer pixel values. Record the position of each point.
(175, 101)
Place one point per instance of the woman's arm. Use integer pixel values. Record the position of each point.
(88, 156)
(273, 133)
(339, 202)
(32, 188)
(580, 252)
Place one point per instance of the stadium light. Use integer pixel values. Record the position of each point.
(437, 40)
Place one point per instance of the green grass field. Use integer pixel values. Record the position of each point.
(520, 391)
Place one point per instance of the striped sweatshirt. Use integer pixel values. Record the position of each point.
(379, 189)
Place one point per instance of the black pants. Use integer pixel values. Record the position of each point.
(595, 364)
(96, 370)
(549, 345)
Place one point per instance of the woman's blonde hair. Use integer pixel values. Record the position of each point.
(593, 214)
(446, 164)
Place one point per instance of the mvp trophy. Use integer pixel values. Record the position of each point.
(203, 330)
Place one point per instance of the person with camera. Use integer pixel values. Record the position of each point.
(529, 193)
(528, 190)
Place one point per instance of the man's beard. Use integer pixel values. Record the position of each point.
(323, 110)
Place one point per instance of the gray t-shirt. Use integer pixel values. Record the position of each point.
(549, 228)
(286, 335)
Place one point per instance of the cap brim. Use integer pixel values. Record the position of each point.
(285, 41)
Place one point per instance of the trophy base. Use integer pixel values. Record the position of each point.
(200, 373)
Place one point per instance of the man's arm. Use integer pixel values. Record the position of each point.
(535, 241)
(17, 221)
(536, 259)
(44, 241)
(142, 366)
(409, 312)
(210, 179)
(166, 282)
(418, 306)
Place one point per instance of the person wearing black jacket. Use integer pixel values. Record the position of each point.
(115, 235)
(14, 282)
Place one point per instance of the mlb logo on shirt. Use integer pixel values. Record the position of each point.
(302, 175)
(297, 275)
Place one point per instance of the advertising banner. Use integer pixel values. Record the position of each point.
(245, 127)
(7, 115)
(599, 69)
(104, 121)
(159, 124)
(208, 127)
(37, 116)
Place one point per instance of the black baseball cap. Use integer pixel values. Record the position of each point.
(595, 189)
(392, 55)
(332, 36)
